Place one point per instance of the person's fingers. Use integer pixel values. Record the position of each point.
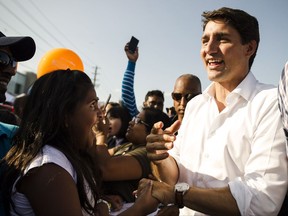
(173, 128)
(141, 186)
(168, 211)
(157, 139)
(157, 157)
(157, 127)
(167, 135)
(158, 150)
(146, 186)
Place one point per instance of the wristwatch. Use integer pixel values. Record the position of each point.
(180, 189)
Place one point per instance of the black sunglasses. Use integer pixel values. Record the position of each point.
(137, 120)
(6, 59)
(187, 97)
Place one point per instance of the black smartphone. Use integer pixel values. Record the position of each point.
(133, 44)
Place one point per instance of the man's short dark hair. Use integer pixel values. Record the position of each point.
(156, 93)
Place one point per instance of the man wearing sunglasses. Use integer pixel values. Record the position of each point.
(186, 87)
(12, 51)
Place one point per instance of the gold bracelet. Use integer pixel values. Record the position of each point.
(102, 144)
(105, 202)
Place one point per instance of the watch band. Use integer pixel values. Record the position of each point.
(179, 199)
(180, 189)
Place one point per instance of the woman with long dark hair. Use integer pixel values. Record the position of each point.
(51, 146)
(50, 170)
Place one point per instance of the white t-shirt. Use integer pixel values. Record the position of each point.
(49, 155)
(243, 147)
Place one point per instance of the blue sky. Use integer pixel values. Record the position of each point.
(169, 32)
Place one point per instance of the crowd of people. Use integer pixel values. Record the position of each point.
(222, 151)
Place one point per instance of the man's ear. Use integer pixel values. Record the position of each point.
(144, 104)
(251, 48)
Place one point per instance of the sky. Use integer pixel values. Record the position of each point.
(169, 32)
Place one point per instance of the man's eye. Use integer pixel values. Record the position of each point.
(204, 42)
(223, 40)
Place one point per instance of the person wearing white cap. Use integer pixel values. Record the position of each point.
(12, 50)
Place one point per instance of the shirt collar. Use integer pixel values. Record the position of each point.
(244, 89)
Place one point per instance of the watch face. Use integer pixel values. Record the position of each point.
(181, 187)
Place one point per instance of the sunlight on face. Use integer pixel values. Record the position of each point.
(223, 55)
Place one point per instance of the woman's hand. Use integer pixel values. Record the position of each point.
(116, 202)
(101, 129)
(171, 210)
(162, 191)
(102, 209)
(145, 202)
(159, 141)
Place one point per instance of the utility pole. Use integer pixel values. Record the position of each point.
(95, 75)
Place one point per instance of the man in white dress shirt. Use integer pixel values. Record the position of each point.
(229, 155)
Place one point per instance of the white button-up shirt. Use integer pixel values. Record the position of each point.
(243, 147)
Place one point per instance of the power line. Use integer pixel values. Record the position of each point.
(16, 31)
(41, 25)
(95, 75)
(21, 21)
(41, 13)
(59, 31)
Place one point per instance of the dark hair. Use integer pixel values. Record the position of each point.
(122, 113)
(52, 99)
(8, 117)
(152, 115)
(156, 93)
(19, 104)
(173, 111)
(246, 25)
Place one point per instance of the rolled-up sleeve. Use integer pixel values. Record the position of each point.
(262, 189)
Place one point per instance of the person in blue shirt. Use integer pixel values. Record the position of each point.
(12, 50)
(153, 98)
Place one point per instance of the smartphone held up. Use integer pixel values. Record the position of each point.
(133, 44)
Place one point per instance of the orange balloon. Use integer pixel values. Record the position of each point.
(59, 59)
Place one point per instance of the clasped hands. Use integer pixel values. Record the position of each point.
(153, 191)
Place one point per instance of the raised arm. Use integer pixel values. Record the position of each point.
(128, 95)
(114, 168)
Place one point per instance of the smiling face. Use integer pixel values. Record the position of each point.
(225, 58)
(84, 118)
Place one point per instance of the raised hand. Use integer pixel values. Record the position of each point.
(131, 56)
(159, 141)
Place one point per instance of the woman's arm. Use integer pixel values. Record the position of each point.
(115, 168)
(51, 190)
